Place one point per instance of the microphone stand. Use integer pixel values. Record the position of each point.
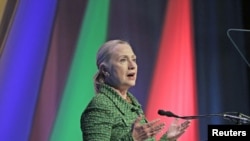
(236, 117)
(198, 116)
(235, 45)
(239, 118)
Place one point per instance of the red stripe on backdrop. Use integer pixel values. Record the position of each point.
(174, 86)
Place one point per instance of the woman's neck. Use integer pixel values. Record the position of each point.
(122, 93)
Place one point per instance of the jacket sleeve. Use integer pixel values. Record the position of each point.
(127, 137)
(164, 138)
(96, 124)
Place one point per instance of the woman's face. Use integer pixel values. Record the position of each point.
(122, 67)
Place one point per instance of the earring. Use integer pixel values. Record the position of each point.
(106, 74)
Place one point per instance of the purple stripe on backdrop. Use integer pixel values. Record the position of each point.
(63, 43)
(21, 67)
(140, 23)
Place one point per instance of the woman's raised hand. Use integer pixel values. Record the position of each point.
(176, 129)
(142, 132)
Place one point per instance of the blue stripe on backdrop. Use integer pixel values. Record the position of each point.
(139, 22)
(21, 67)
(222, 77)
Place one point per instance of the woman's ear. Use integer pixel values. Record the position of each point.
(104, 70)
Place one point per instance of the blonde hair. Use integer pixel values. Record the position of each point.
(102, 58)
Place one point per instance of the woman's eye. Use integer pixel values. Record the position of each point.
(123, 60)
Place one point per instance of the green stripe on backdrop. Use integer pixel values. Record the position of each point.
(79, 87)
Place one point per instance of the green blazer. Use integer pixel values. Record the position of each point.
(108, 117)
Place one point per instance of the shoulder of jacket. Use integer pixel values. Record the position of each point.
(100, 100)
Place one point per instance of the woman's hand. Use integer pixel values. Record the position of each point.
(145, 131)
(176, 130)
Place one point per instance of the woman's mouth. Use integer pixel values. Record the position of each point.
(131, 76)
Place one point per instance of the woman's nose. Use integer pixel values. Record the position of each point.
(132, 65)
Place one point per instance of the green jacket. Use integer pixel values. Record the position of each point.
(108, 117)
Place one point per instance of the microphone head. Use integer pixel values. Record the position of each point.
(161, 112)
(166, 113)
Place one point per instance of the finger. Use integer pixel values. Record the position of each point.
(159, 127)
(145, 134)
(179, 134)
(175, 122)
(137, 120)
(182, 129)
(185, 124)
(155, 130)
(149, 124)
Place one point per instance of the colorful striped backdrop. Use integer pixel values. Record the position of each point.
(47, 63)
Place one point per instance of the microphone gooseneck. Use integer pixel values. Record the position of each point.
(239, 118)
(170, 114)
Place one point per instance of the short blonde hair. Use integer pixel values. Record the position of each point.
(103, 56)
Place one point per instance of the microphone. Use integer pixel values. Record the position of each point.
(167, 113)
(240, 118)
(170, 114)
